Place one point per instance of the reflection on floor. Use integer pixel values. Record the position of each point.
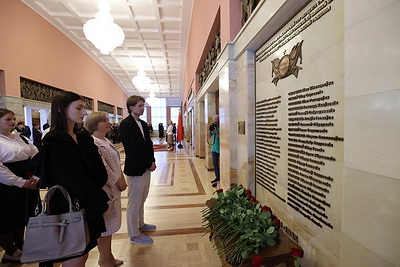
(180, 186)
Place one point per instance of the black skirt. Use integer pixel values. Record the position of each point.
(16, 204)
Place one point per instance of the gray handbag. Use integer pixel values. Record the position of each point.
(52, 237)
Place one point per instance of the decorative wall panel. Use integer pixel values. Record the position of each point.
(119, 111)
(45, 93)
(102, 106)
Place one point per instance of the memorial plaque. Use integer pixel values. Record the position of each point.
(299, 122)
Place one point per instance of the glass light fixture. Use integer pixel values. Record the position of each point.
(151, 99)
(141, 81)
(102, 31)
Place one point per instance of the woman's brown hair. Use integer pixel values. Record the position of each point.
(59, 105)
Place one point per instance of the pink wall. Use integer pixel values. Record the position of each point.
(33, 48)
(204, 15)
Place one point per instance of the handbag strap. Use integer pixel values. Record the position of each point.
(49, 195)
(39, 184)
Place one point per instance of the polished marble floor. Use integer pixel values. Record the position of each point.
(179, 188)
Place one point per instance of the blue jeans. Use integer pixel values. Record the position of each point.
(215, 160)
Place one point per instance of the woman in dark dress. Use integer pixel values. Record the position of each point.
(160, 131)
(71, 159)
(18, 195)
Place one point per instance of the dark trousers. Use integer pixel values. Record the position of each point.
(215, 160)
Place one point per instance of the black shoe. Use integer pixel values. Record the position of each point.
(216, 180)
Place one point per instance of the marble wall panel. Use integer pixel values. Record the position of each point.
(358, 10)
(210, 109)
(371, 215)
(228, 123)
(13, 103)
(372, 133)
(372, 50)
(245, 112)
(360, 255)
(371, 195)
(201, 131)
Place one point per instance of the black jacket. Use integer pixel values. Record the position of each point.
(37, 138)
(138, 150)
(78, 168)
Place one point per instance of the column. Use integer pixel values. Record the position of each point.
(210, 109)
(228, 123)
(245, 112)
(200, 133)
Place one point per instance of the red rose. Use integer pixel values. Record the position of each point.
(220, 191)
(297, 252)
(214, 185)
(247, 192)
(277, 222)
(265, 208)
(29, 174)
(257, 261)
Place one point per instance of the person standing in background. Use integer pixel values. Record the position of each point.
(98, 124)
(139, 163)
(214, 134)
(71, 160)
(37, 136)
(23, 129)
(160, 131)
(17, 197)
(174, 132)
(47, 125)
(170, 135)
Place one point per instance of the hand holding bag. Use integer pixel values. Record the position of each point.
(51, 237)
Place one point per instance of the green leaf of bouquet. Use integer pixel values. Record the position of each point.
(271, 242)
(270, 230)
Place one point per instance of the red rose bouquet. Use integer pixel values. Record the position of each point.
(239, 224)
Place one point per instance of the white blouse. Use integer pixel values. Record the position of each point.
(11, 150)
(170, 129)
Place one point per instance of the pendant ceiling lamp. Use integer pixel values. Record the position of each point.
(102, 31)
(141, 81)
(151, 99)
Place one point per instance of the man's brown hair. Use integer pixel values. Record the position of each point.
(133, 100)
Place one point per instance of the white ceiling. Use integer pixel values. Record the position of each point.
(156, 36)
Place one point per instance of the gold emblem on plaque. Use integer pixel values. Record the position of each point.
(287, 65)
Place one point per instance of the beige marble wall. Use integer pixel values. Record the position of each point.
(17, 104)
(245, 112)
(317, 227)
(365, 65)
(13, 103)
(200, 134)
(228, 122)
(371, 196)
(210, 109)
